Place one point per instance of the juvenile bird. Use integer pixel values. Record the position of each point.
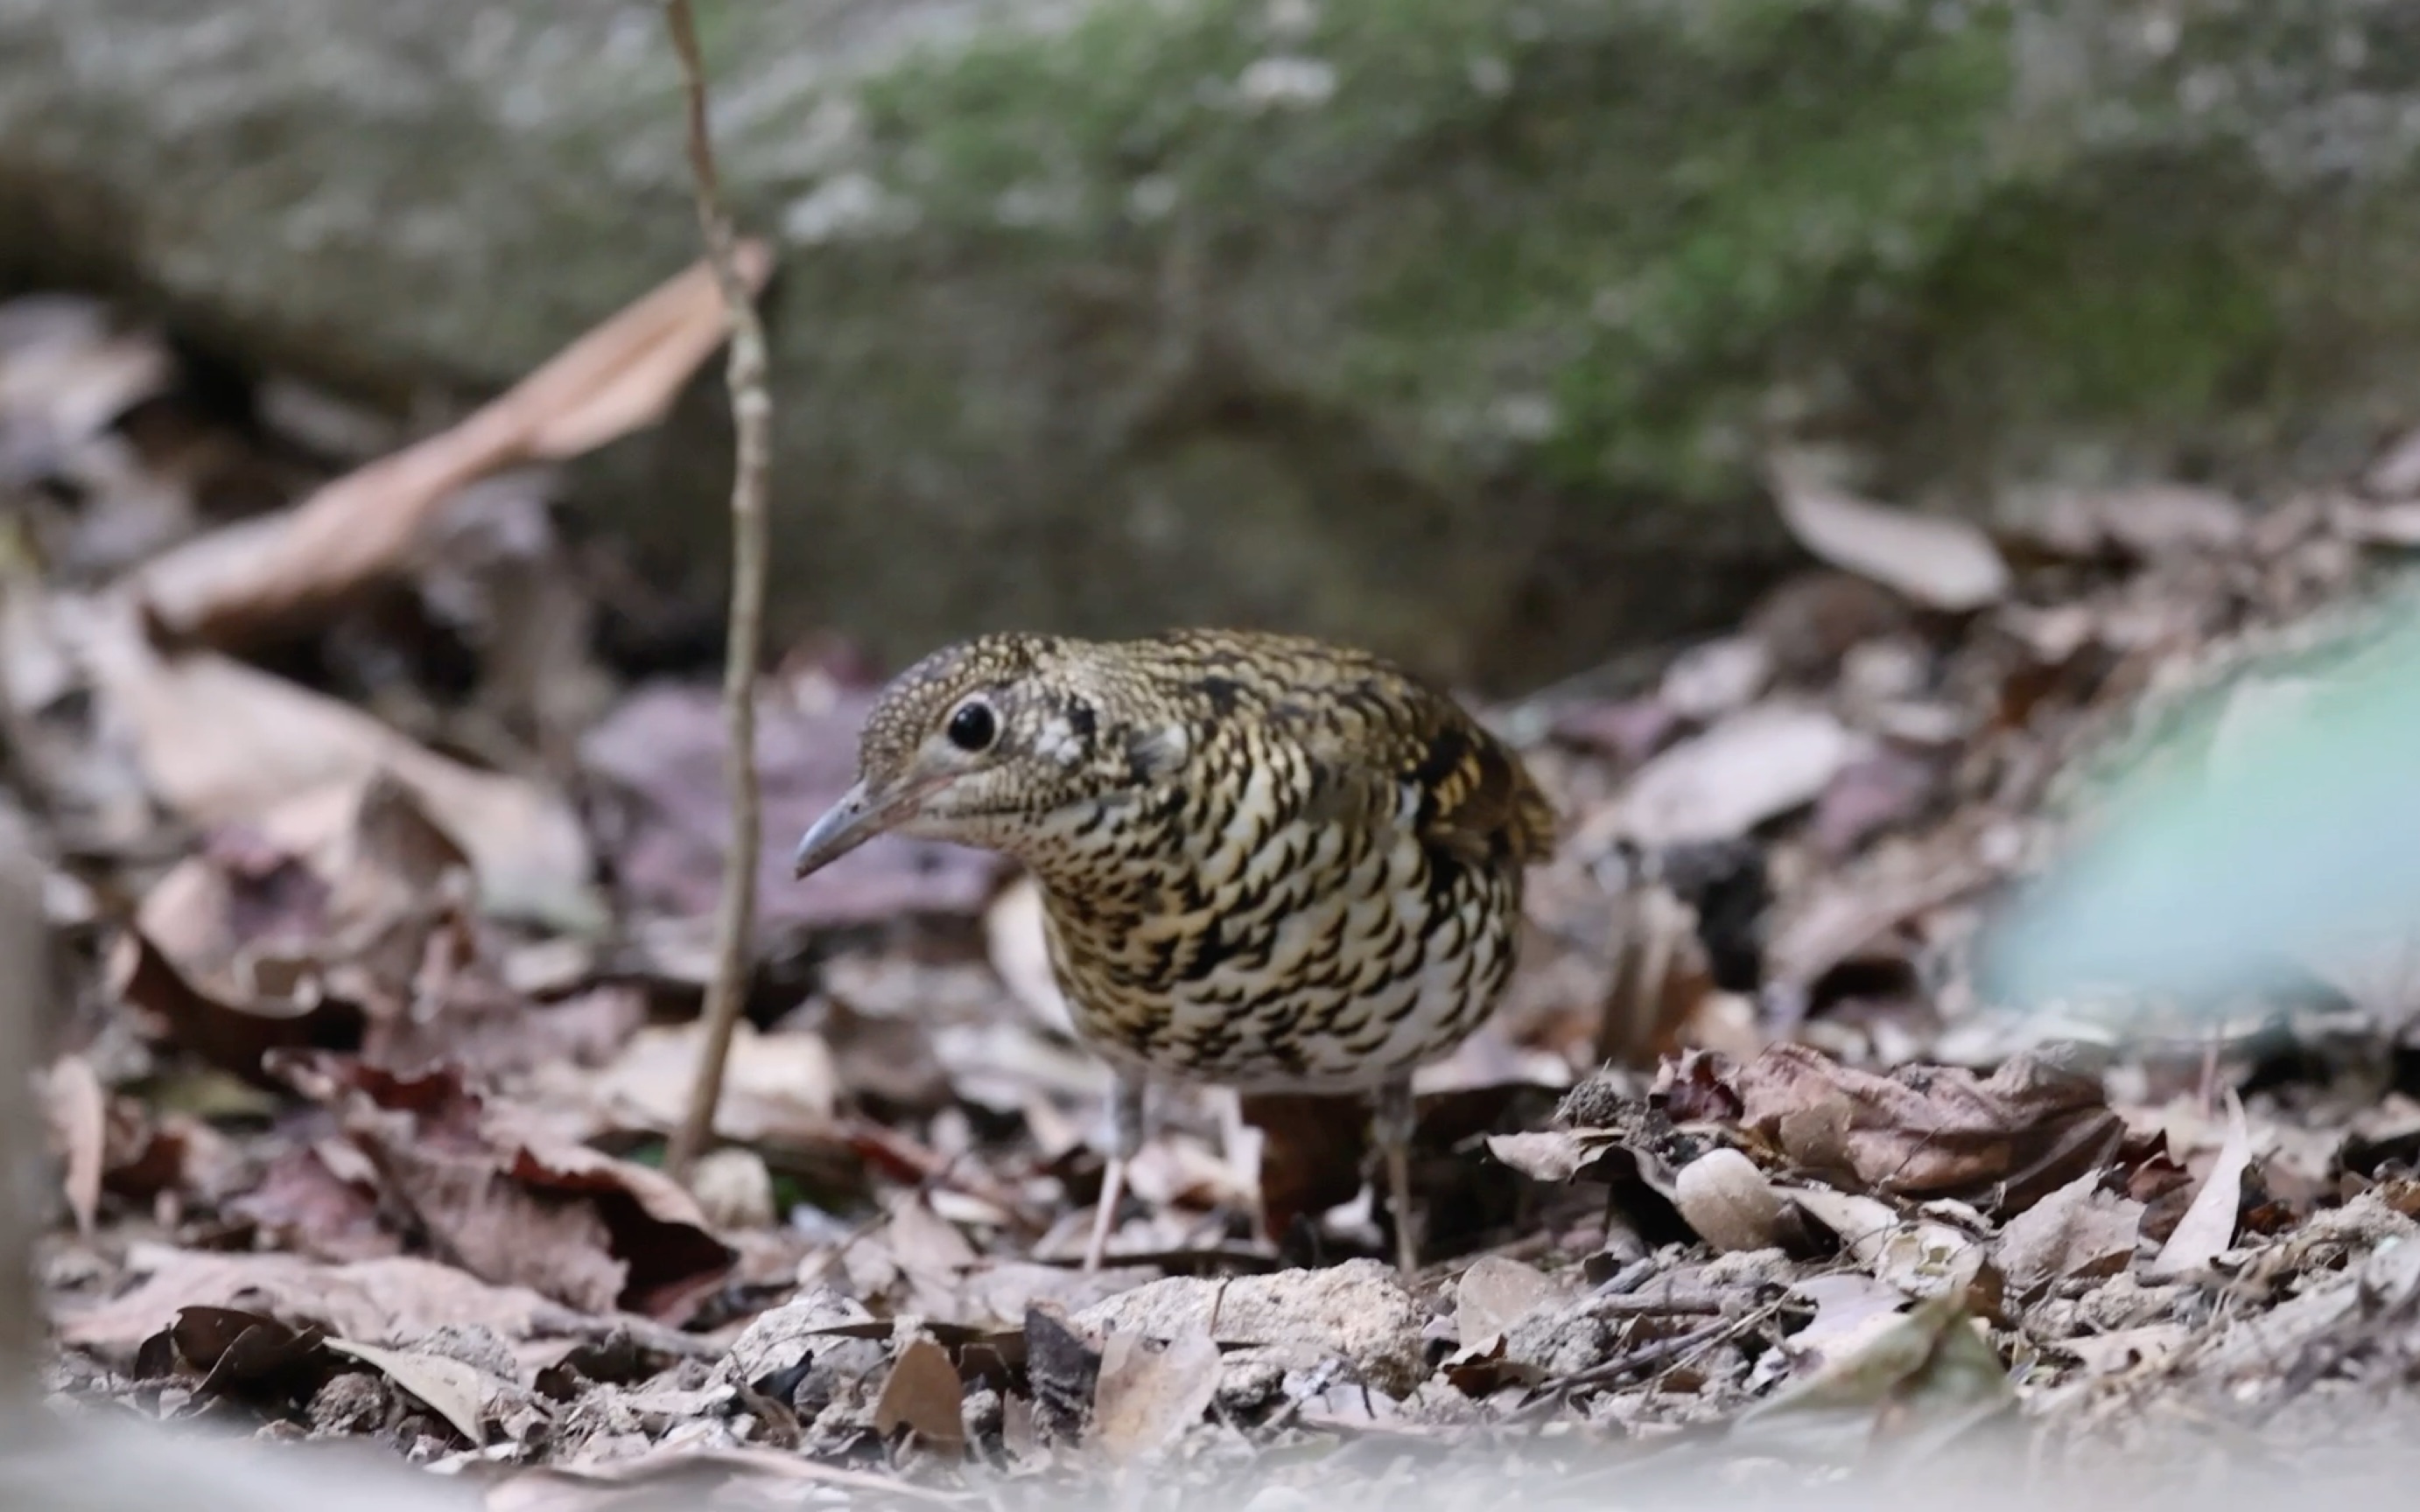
(1266, 862)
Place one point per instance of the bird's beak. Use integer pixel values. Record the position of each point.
(857, 817)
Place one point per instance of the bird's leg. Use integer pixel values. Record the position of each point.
(1126, 1138)
(1392, 1121)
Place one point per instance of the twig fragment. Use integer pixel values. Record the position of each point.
(751, 409)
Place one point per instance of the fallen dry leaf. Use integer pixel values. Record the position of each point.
(2078, 1230)
(1917, 1384)
(2395, 525)
(1861, 1223)
(1020, 953)
(1715, 677)
(1850, 1309)
(397, 1301)
(221, 743)
(272, 571)
(922, 1394)
(321, 1201)
(1937, 562)
(79, 1121)
(1839, 922)
(778, 1088)
(1754, 765)
(1877, 791)
(240, 1350)
(1498, 1291)
(450, 1388)
(2395, 473)
(2148, 521)
(1150, 1393)
(1915, 1257)
(514, 1203)
(235, 1035)
(1933, 1130)
(322, 915)
(2208, 1227)
(66, 375)
(660, 756)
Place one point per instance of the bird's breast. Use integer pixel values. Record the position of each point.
(1266, 952)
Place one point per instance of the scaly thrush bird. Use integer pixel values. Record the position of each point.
(1266, 863)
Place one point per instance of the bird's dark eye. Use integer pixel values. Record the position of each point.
(974, 727)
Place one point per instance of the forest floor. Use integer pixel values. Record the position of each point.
(382, 847)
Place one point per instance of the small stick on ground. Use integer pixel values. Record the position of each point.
(751, 409)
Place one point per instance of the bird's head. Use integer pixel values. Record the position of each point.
(998, 742)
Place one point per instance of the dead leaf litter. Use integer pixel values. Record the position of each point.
(382, 951)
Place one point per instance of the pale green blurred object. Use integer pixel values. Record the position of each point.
(2290, 845)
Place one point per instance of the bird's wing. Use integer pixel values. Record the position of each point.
(1409, 756)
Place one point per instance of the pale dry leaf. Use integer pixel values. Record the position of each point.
(1552, 1155)
(2208, 1227)
(2078, 1230)
(223, 743)
(1716, 677)
(734, 1189)
(450, 1388)
(393, 1299)
(2157, 519)
(1862, 1223)
(2148, 520)
(1940, 563)
(1498, 1291)
(1148, 1395)
(1918, 1258)
(1756, 764)
(79, 1120)
(778, 1088)
(1849, 1310)
(1928, 1375)
(922, 1394)
(2348, 1304)
(624, 374)
(1926, 1259)
(1021, 956)
(273, 569)
(2395, 474)
(925, 1244)
(1838, 922)
(2395, 525)
(66, 376)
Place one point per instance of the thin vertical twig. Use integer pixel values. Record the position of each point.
(752, 409)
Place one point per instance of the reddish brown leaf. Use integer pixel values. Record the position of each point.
(1934, 1131)
(515, 1204)
(232, 1036)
